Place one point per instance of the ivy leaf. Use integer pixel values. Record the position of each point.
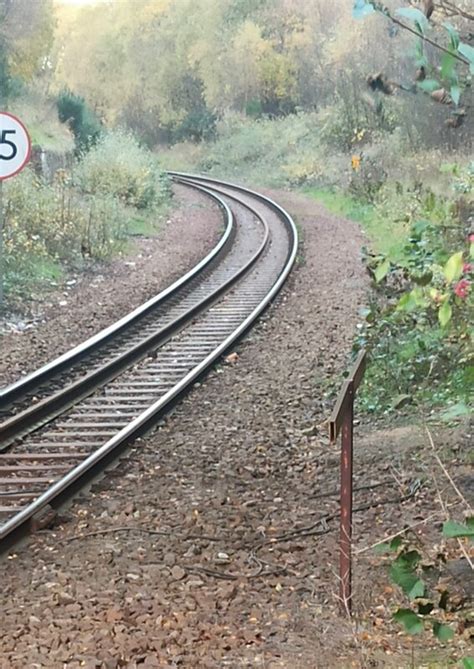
(410, 621)
(468, 663)
(455, 93)
(362, 8)
(442, 632)
(382, 270)
(415, 15)
(453, 34)
(445, 313)
(453, 268)
(468, 52)
(451, 529)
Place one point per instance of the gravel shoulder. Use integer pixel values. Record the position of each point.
(95, 299)
(212, 544)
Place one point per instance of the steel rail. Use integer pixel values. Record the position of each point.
(19, 388)
(148, 417)
(44, 411)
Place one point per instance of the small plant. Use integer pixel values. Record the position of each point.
(433, 600)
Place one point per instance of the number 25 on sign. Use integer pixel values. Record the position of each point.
(15, 151)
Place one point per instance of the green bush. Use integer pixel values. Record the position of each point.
(418, 328)
(85, 125)
(47, 226)
(118, 166)
(83, 214)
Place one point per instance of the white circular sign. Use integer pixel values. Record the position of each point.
(15, 146)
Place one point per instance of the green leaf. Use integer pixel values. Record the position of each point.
(403, 577)
(361, 9)
(410, 621)
(455, 93)
(448, 64)
(451, 529)
(429, 85)
(407, 302)
(442, 632)
(415, 15)
(419, 296)
(418, 590)
(402, 573)
(453, 268)
(453, 34)
(468, 663)
(444, 314)
(382, 270)
(468, 52)
(396, 543)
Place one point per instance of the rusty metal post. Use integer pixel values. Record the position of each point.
(342, 420)
(345, 554)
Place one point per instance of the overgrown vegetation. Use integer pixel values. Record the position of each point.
(85, 213)
(418, 324)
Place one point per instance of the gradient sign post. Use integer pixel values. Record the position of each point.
(15, 151)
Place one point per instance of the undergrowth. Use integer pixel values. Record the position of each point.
(85, 213)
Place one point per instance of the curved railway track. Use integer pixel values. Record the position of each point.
(67, 421)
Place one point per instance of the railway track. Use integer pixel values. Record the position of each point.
(67, 421)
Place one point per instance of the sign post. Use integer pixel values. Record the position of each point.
(342, 419)
(15, 151)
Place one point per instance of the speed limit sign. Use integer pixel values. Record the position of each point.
(15, 146)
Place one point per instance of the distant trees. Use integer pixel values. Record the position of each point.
(26, 37)
(168, 69)
(178, 65)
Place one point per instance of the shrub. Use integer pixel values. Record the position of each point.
(118, 166)
(418, 327)
(48, 225)
(85, 125)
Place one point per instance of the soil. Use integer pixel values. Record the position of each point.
(57, 320)
(214, 542)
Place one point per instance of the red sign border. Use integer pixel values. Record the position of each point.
(28, 154)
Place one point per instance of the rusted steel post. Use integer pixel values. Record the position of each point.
(345, 550)
(342, 420)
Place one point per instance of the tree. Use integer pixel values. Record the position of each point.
(26, 36)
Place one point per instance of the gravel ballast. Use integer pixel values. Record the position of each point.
(213, 543)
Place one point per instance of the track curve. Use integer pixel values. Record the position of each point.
(45, 467)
